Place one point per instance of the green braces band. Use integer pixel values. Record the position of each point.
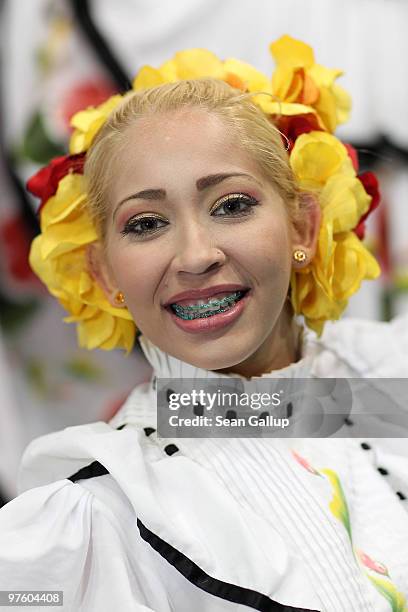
(223, 302)
(204, 315)
(187, 312)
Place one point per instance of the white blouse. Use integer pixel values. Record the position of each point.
(118, 518)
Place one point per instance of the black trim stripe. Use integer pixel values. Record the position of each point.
(81, 10)
(189, 569)
(224, 590)
(93, 469)
(3, 500)
(89, 471)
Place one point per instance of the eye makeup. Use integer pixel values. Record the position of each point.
(230, 206)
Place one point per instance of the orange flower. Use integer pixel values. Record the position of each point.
(298, 79)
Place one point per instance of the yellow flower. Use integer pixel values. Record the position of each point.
(252, 79)
(196, 64)
(88, 122)
(147, 78)
(188, 64)
(59, 257)
(321, 290)
(316, 157)
(298, 79)
(319, 161)
(68, 199)
(200, 63)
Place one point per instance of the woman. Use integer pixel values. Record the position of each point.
(200, 229)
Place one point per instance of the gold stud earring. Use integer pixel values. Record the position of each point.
(299, 255)
(119, 298)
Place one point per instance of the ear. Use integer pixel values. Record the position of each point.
(305, 231)
(100, 271)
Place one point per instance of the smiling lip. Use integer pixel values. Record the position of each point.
(202, 294)
(213, 323)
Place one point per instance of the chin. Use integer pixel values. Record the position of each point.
(217, 360)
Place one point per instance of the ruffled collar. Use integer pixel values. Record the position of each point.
(140, 407)
(167, 366)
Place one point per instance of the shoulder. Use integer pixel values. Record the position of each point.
(44, 536)
(362, 348)
(70, 536)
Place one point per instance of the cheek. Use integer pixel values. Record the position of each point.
(269, 249)
(135, 274)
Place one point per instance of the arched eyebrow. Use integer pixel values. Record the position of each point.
(214, 179)
(201, 184)
(146, 194)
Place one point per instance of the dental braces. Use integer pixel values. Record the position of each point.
(215, 304)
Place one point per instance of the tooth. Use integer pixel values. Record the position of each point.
(213, 301)
(203, 308)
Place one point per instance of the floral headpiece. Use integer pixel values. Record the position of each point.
(306, 105)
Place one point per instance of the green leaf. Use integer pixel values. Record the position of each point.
(82, 368)
(37, 145)
(14, 315)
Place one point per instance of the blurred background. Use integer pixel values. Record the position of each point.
(59, 56)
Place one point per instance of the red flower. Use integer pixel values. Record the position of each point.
(44, 183)
(16, 238)
(294, 126)
(370, 184)
(84, 94)
(352, 154)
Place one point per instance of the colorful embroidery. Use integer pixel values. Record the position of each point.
(339, 508)
(380, 568)
(388, 590)
(338, 505)
(304, 463)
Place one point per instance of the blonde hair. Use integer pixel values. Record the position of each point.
(255, 132)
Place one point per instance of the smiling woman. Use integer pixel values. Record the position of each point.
(205, 209)
(204, 196)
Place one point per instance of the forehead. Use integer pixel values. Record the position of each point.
(184, 124)
(187, 137)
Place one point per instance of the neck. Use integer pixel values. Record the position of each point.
(280, 349)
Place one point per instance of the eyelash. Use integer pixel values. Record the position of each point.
(249, 201)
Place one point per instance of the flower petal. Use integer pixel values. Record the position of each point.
(88, 122)
(270, 107)
(343, 201)
(317, 156)
(324, 76)
(148, 77)
(69, 197)
(292, 52)
(197, 64)
(253, 79)
(92, 333)
(343, 103)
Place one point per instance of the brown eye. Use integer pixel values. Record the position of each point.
(143, 226)
(234, 204)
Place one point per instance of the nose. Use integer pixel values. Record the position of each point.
(197, 252)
